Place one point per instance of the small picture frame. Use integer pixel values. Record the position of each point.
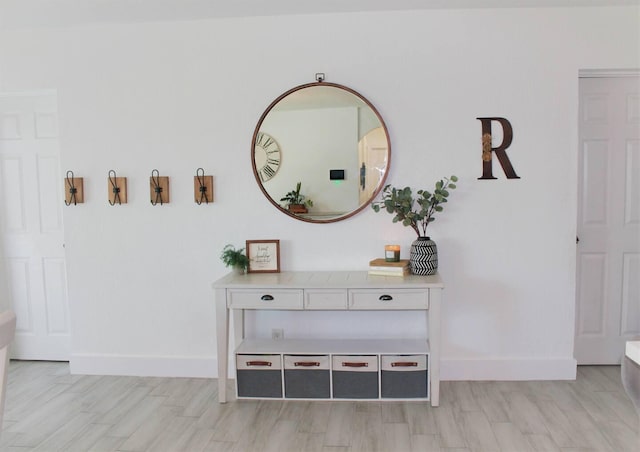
(264, 256)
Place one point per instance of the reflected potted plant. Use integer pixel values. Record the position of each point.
(236, 259)
(296, 202)
(417, 213)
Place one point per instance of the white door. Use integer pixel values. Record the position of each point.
(608, 250)
(372, 162)
(31, 201)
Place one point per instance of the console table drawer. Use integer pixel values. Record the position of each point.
(325, 299)
(388, 299)
(264, 299)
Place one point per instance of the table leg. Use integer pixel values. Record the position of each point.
(435, 298)
(222, 333)
(238, 326)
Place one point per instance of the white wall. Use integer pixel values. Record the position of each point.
(183, 95)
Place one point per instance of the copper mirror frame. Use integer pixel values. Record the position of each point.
(375, 150)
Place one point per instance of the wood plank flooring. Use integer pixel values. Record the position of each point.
(49, 410)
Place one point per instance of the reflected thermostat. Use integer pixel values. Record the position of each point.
(336, 174)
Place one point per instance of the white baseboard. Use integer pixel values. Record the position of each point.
(144, 366)
(508, 369)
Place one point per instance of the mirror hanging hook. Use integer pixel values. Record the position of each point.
(73, 191)
(320, 77)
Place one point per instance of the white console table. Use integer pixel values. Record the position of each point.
(336, 291)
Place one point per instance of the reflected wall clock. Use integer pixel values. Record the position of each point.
(267, 156)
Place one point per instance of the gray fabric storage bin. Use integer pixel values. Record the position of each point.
(404, 377)
(259, 376)
(355, 377)
(306, 377)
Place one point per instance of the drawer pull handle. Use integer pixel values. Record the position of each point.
(307, 364)
(259, 363)
(385, 298)
(404, 364)
(267, 298)
(348, 364)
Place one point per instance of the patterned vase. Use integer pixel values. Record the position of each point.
(424, 256)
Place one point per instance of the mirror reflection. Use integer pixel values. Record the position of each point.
(320, 152)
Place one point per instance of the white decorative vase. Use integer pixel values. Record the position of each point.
(423, 258)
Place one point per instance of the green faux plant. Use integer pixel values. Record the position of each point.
(294, 197)
(419, 212)
(234, 258)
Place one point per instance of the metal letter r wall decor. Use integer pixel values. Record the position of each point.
(488, 150)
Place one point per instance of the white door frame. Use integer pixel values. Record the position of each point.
(595, 73)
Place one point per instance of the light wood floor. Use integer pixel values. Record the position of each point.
(49, 410)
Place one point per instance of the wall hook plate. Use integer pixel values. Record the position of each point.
(202, 187)
(73, 189)
(117, 187)
(159, 188)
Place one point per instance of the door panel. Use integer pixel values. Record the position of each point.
(592, 288)
(608, 264)
(630, 294)
(594, 205)
(632, 192)
(14, 215)
(18, 269)
(55, 282)
(50, 213)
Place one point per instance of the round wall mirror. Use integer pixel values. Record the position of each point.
(320, 152)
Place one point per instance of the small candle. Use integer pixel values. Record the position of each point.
(392, 253)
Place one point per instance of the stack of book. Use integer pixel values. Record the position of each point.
(383, 268)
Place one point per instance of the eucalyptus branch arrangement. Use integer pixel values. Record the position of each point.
(419, 212)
